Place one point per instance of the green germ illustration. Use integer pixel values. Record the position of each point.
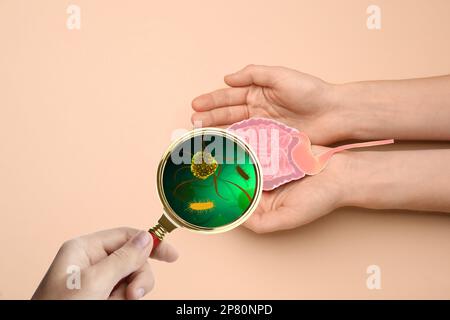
(209, 192)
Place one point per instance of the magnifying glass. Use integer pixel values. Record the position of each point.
(209, 181)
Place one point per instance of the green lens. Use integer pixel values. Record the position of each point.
(210, 180)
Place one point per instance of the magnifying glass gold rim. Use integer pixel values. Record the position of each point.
(170, 220)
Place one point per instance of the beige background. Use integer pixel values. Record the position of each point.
(85, 116)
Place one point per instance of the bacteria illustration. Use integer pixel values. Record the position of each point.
(210, 182)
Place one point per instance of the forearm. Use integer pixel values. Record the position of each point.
(416, 109)
(413, 180)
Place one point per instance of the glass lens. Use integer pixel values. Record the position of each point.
(210, 180)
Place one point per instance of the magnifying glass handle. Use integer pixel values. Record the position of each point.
(163, 227)
(156, 240)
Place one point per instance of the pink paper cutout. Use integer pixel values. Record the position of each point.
(252, 130)
(285, 153)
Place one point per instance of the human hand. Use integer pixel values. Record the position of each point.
(294, 98)
(367, 179)
(331, 112)
(113, 265)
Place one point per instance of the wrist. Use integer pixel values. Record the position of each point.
(368, 180)
(353, 191)
(362, 111)
(343, 172)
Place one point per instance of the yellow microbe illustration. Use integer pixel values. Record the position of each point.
(201, 206)
(203, 165)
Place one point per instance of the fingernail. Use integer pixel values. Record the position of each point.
(142, 239)
(140, 293)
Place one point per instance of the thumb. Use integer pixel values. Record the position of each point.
(124, 261)
(252, 74)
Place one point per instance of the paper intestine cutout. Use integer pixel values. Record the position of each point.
(285, 153)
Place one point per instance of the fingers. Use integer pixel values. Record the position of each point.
(112, 239)
(119, 292)
(302, 202)
(137, 285)
(141, 282)
(221, 116)
(122, 262)
(220, 98)
(165, 252)
(253, 74)
(270, 221)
